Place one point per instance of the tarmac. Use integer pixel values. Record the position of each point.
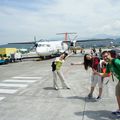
(26, 93)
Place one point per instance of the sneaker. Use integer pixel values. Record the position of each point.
(56, 88)
(90, 96)
(68, 87)
(116, 112)
(98, 98)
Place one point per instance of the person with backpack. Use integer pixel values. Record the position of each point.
(113, 66)
(56, 69)
(94, 63)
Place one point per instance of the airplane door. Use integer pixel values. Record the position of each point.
(51, 50)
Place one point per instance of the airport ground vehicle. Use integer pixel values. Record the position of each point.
(16, 57)
(4, 61)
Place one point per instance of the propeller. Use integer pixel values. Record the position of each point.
(35, 44)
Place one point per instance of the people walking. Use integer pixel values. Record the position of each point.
(100, 53)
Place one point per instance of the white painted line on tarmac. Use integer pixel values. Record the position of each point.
(1, 98)
(20, 81)
(8, 91)
(13, 85)
(27, 77)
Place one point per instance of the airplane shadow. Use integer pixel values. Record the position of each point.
(98, 115)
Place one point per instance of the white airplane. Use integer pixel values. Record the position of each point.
(50, 48)
(45, 48)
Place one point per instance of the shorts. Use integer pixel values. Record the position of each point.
(117, 92)
(96, 79)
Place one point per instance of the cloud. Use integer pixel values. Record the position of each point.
(21, 20)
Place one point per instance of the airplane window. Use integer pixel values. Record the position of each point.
(43, 45)
(48, 45)
(39, 45)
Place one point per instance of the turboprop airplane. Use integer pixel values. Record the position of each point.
(49, 48)
(45, 48)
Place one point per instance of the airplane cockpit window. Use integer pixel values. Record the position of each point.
(43, 45)
(39, 45)
(48, 45)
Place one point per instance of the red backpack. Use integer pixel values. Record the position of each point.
(95, 63)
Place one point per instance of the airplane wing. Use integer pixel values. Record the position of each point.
(88, 40)
(94, 40)
(31, 42)
(23, 43)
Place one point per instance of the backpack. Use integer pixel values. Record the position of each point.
(117, 67)
(115, 53)
(95, 63)
(53, 65)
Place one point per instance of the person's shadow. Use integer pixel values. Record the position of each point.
(49, 88)
(86, 99)
(98, 115)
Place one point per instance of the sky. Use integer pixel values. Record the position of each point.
(21, 20)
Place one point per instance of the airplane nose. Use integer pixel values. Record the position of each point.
(42, 51)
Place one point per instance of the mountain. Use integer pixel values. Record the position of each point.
(103, 36)
(19, 46)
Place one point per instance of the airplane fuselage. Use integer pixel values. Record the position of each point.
(48, 48)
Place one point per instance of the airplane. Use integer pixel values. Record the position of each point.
(49, 48)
